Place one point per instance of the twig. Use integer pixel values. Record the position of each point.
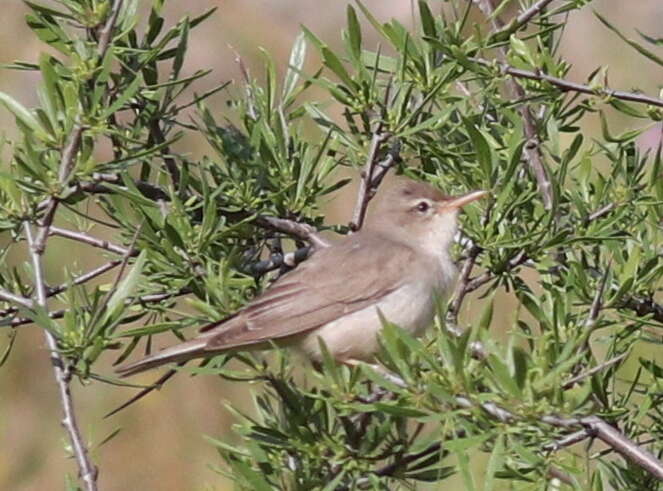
(522, 19)
(574, 380)
(593, 425)
(13, 298)
(107, 31)
(84, 278)
(567, 86)
(93, 241)
(399, 464)
(159, 138)
(605, 432)
(595, 308)
(145, 299)
(600, 213)
(566, 441)
(382, 167)
(296, 229)
(460, 290)
(533, 147)
(62, 371)
(66, 166)
(95, 186)
(157, 384)
(366, 190)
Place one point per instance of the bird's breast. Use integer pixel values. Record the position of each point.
(355, 336)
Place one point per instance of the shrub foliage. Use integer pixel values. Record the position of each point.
(572, 235)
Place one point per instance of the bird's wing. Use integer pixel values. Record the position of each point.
(334, 282)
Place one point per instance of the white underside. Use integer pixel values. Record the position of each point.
(354, 336)
(412, 307)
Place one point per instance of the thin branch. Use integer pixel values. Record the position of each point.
(596, 427)
(17, 299)
(460, 290)
(380, 169)
(364, 192)
(593, 425)
(600, 213)
(567, 86)
(574, 380)
(522, 19)
(94, 186)
(109, 27)
(597, 303)
(402, 463)
(62, 371)
(156, 133)
(478, 281)
(566, 441)
(533, 146)
(66, 166)
(145, 299)
(84, 278)
(156, 385)
(302, 231)
(93, 241)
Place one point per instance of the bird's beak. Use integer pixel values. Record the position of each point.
(460, 201)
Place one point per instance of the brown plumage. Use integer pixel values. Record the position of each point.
(396, 264)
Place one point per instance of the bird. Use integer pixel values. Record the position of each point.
(394, 268)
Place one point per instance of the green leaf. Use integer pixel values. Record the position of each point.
(335, 65)
(494, 463)
(481, 146)
(24, 116)
(503, 377)
(354, 33)
(522, 50)
(640, 49)
(127, 94)
(427, 20)
(125, 288)
(295, 65)
(180, 52)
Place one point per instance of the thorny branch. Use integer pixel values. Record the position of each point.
(79, 280)
(533, 147)
(62, 371)
(568, 86)
(143, 300)
(92, 241)
(598, 368)
(61, 367)
(17, 299)
(302, 231)
(593, 425)
(598, 428)
(109, 27)
(363, 194)
(522, 19)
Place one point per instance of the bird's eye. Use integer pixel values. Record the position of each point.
(423, 206)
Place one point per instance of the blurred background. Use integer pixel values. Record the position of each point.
(161, 445)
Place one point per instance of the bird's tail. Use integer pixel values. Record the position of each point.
(186, 351)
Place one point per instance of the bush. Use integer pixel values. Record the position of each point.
(572, 232)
